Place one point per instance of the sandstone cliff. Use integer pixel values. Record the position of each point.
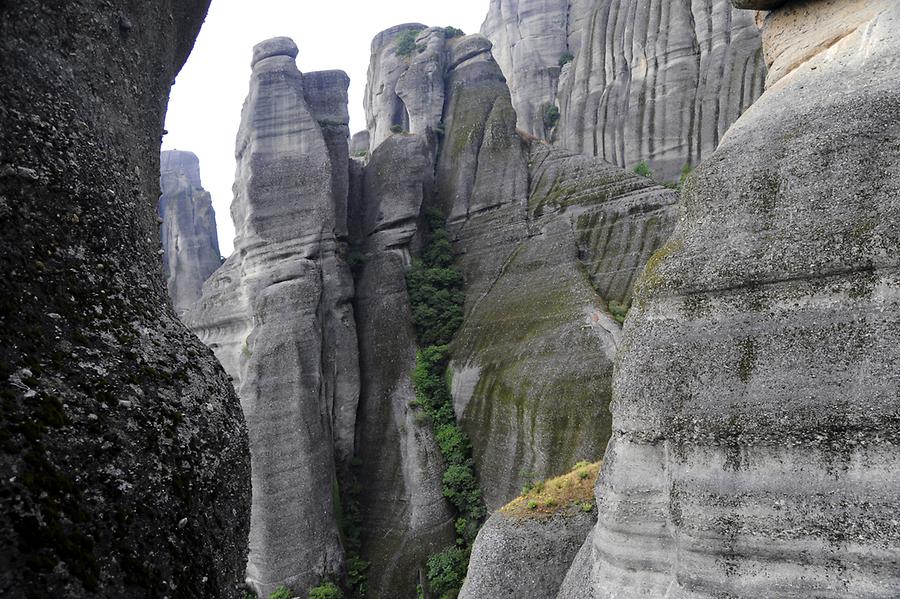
(278, 315)
(125, 466)
(188, 229)
(755, 432)
(628, 81)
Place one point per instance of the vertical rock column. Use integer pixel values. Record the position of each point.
(755, 411)
(124, 454)
(188, 231)
(278, 314)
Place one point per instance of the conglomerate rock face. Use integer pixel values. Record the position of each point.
(631, 80)
(188, 230)
(279, 317)
(124, 453)
(755, 411)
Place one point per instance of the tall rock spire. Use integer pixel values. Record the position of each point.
(188, 229)
(278, 315)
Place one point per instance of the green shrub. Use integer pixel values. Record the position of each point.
(532, 504)
(451, 32)
(396, 129)
(325, 590)
(446, 571)
(454, 444)
(643, 169)
(686, 171)
(281, 592)
(586, 507)
(551, 116)
(566, 59)
(406, 42)
(618, 310)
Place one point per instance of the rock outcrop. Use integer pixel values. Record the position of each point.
(188, 230)
(628, 81)
(755, 412)
(125, 466)
(278, 315)
(526, 548)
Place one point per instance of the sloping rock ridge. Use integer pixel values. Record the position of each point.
(188, 229)
(628, 81)
(279, 317)
(124, 452)
(755, 411)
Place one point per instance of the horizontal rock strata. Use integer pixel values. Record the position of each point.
(755, 431)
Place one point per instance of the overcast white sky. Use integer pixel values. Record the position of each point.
(205, 106)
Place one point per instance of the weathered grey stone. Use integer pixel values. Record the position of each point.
(515, 558)
(188, 230)
(279, 316)
(577, 583)
(530, 38)
(124, 454)
(384, 106)
(755, 430)
(650, 81)
(359, 143)
(758, 4)
(276, 46)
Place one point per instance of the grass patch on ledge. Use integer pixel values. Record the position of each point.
(571, 491)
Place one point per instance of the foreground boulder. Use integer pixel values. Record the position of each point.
(526, 548)
(755, 412)
(124, 454)
(188, 230)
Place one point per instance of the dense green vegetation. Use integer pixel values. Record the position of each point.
(451, 32)
(551, 116)
(406, 42)
(325, 591)
(436, 295)
(566, 59)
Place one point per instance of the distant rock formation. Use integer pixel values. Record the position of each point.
(188, 229)
(755, 428)
(278, 315)
(124, 453)
(657, 82)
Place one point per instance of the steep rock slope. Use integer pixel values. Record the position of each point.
(188, 230)
(755, 412)
(125, 466)
(278, 314)
(540, 232)
(650, 81)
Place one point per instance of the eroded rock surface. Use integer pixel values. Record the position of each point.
(125, 465)
(755, 439)
(188, 231)
(279, 315)
(655, 81)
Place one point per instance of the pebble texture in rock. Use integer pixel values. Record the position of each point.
(279, 317)
(124, 453)
(188, 229)
(755, 443)
(654, 81)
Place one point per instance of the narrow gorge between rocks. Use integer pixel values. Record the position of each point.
(603, 303)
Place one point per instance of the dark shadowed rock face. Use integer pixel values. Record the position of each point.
(755, 412)
(279, 317)
(124, 454)
(188, 229)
